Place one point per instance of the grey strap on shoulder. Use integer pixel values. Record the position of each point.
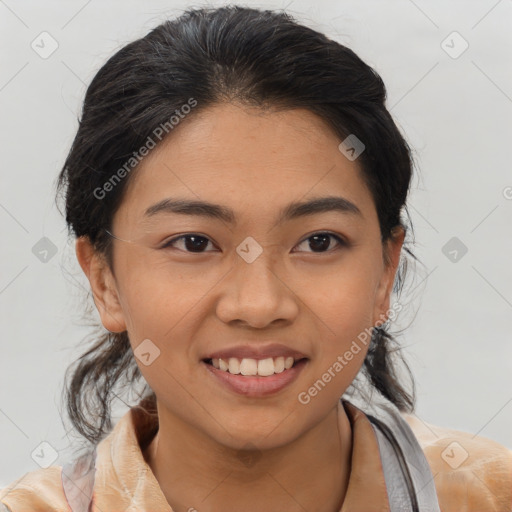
(78, 481)
(409, 481)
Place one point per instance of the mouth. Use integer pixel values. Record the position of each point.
(255, 377)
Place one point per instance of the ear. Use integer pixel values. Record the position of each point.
(392, 251)
(102, 283)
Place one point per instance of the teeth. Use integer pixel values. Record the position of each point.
(247, 366)
(234, 366)
(266, 367)
(279, 364)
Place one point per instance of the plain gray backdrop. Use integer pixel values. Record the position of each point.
(447, 69)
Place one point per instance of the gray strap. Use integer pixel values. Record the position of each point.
(407, 473)
(78, 481)
(396, 484)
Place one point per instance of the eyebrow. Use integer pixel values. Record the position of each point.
(292, 211)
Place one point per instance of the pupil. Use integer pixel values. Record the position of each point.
(315, 244)
(199, 241)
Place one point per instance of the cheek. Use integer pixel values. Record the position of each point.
(342, 309)
(343, 298)
(154, 295)
(163, 314)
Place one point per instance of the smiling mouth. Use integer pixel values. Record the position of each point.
(249, 367)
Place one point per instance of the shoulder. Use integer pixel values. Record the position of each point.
(471, 473)
(40, 489)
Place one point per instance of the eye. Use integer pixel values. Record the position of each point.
(322, 241)
(192, 242)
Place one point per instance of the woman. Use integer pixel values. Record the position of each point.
(236, 187)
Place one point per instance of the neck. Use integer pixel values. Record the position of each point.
(309, 473)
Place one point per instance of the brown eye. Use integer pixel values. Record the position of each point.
(192, 243)
(320, 242)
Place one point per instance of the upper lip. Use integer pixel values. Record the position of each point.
(256, 352)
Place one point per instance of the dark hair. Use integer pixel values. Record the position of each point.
(252, 57)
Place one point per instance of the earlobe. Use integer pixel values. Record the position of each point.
(102, 284)
(385, 287)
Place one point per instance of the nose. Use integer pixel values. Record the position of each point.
(257, 294)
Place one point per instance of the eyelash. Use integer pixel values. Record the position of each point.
(341, 241)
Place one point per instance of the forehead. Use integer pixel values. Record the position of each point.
(243, 156)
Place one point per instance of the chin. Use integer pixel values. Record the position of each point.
(259, 432)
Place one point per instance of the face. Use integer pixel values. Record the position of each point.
(259, 285)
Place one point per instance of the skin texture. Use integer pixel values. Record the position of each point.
(188, 304)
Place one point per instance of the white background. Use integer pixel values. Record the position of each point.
(455, 112)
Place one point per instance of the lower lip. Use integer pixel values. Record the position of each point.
(255, 386)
